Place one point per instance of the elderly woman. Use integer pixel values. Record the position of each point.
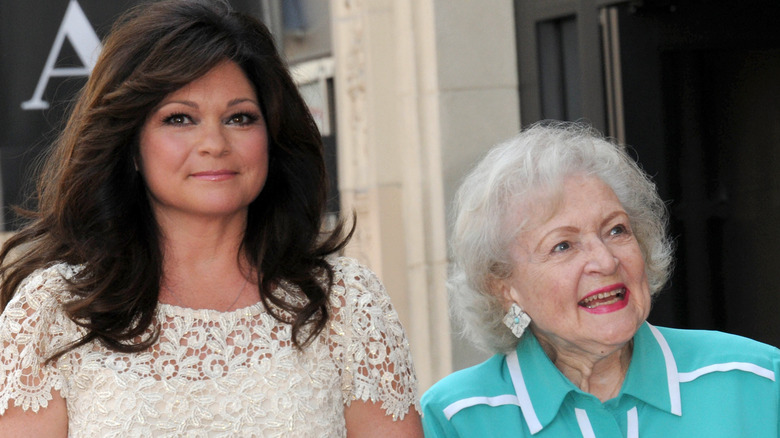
(559, 246)
(176, 278)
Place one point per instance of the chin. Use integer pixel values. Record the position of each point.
(222, 208)
(619, 333)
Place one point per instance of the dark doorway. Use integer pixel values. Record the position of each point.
(723, 115)
(701, 85)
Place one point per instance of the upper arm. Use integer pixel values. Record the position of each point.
(51, 421)
(368, 419)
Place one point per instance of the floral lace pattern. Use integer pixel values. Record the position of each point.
(211, 373)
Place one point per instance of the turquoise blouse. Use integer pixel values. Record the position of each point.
(680, 383)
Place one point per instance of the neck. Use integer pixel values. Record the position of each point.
(600, 374)
(202, 263)
(201, 234)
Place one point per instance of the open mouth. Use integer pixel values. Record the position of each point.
(603, 298)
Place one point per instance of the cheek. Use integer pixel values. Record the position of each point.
(556, 293)
(159, 165)
(148, 150)
(259, 155)
(255, 149)
(159, 152)
(633, 262)
(547, 293)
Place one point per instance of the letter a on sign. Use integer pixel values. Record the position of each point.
(85, 42)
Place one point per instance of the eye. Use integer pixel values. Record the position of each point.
(242, 119)
(177, 119)
(618, 230)
(561, 247)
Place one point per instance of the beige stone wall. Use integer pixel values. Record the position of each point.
(423, 88)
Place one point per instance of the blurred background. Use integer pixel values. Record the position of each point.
(409, 94)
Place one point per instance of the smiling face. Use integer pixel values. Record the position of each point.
(204, 148)
(579, 272)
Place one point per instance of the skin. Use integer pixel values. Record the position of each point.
(51, 421)
(367, 419)
(204, 158)
(585, 245)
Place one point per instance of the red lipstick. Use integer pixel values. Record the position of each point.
(606, 300)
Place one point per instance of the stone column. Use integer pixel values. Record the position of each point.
(423, 88)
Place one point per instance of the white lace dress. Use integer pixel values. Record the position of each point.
(215, 374)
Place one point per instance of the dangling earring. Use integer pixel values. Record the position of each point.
(517, 320)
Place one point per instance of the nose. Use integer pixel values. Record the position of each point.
(601, 258)
(214, 141)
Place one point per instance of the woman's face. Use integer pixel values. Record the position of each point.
(579, 272)
(204, 148)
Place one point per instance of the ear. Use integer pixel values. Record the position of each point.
(506, 292)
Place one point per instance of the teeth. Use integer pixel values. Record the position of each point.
(617, 294)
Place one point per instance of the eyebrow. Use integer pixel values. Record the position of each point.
(613, 215)
(238, 100)
(194, 105)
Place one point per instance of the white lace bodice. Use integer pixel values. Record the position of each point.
(211, 373)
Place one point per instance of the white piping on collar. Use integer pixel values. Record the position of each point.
(584, 423)
(672, 376)
(728, 366)
(499, 400)
(524, 400)
(632, 423)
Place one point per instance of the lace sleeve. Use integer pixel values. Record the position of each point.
(371, 343)
(32, 327)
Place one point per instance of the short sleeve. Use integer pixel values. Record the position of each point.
(369, 341)
(32, 327)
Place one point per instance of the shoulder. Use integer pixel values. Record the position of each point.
(349, 270)
(700, 348)
(36, 316)
(360, 303)
(727, 382)
(475, 401)
(45, 287)
(487, 379)
(354, 281)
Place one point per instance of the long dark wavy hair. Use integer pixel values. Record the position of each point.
(92, 205)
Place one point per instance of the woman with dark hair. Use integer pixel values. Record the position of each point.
(175, 278)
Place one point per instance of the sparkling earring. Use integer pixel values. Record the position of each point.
(517, 320)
